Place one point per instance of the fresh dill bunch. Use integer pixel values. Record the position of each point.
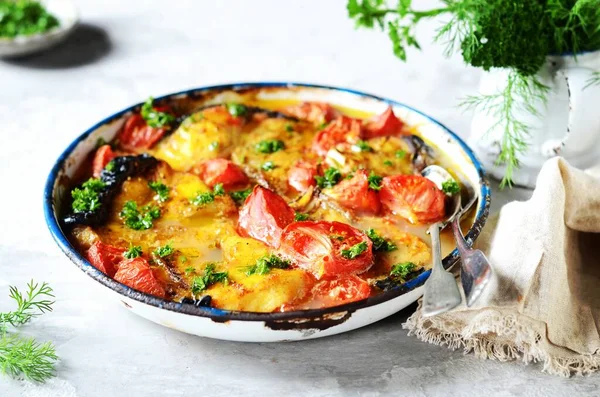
(21, 356)
(510, 34)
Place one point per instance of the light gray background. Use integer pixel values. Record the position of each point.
(125, 51)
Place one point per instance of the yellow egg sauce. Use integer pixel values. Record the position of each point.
(206, 234)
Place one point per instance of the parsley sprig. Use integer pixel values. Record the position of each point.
(86, 198)
(133, 251)
(164, 251)
(153, 117)
(379, 243)
(137, 219)
(210, 277)
(203, 198)
(450, 187)
(270, 146)
(402, 270)
(374, 181)
(330, 178)
(266, 263)
(23, 356)
(162, 190)
(240, 196)
(355, 251)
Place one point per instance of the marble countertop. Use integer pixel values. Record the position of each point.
(121, 53)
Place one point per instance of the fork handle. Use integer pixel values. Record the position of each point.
(461, 243)
(434, 231)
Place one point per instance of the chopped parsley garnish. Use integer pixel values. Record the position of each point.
(402, 270)
(379, 243)
(153, 117)
(209, 278)
(100, 142)
(322, 125)
(189, 270)
(388, 163)
(182, 258)
(133, 252)
(289, 128)
(25, 18)
(299, 216)
(218, 190)
(136, 219)
(110, 167)
(236, 109)
(164, 251)
(86, 198)
(355, 250)
(266, 263)
(203, 198)
(400, 154)
(268, 166)
(450, 187)
(330, 178)
(374, 181)
(240, 196)
(270, 146)
(213, 146)
(162, 190)
(363, 146)
(336, 237)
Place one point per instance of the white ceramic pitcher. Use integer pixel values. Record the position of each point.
(568, 124)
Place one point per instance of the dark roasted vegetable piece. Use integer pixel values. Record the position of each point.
(422, 154)
(123, 168)
(392, 282)
(205, 301)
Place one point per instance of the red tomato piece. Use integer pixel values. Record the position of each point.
(340, 290)
(220, 115)
(355, 194)
(317, 247)
(264, 215)
(221, 171)
(136, 134)
(105, 257)
(385, 124)
(103, 156)
(137, 274)
(302, 176)
(315, 112)
(413, 197)
(342, 130)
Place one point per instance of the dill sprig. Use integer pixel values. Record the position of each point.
(521, 94)
(22, 356)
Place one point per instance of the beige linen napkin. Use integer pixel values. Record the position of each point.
(543, 301)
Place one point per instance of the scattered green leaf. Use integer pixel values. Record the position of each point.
(268, 166)
(355, 251)
(164, 251)
(400, 154)
(162, 190)
(270, 146)
(237, 110)
(450, 187)
(379, 243)
(153, 117)
(374, 181)
(330, 178)
(210, 277)
(240, 196)
(299, 216)
(136, 219)
(402, 270)
(87, 198)
(266, 263)
(388, 163)
(363, 146)
(133, 251)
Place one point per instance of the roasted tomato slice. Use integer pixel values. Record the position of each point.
(136, 134)
(322, 248)
(413, 197)
(221, 171)
(103, 156)
(105, 257)
(315, 112)
(342, 130)
(302, 176)
(137, 274)
(340, 290)
(264, 215)
(384, 124)
(355, 194)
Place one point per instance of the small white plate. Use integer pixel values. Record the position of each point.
(64, 11)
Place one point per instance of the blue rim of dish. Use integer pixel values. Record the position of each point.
(220, 315)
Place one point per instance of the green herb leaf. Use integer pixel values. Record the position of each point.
(237, 110)
(270, 146)
(25, 18)
(213, 146)
(162, 190)
(402, 270)
(268, 166)
(164, 251)
(190, 270)
(388, 163)
(209, 278)
(379, 243)
(363, 146)
(136, 219)
(374, 181)
(218, 189)
(450, 187)
(400, 154)
(330, 178)
(154, 118)
(110, 167)
(87, 198)
(298, 217)
(21, 356)
(203, 198)
(133, 252)
(289, 128)
(355, 251)
(266, 263)
(240, 196)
